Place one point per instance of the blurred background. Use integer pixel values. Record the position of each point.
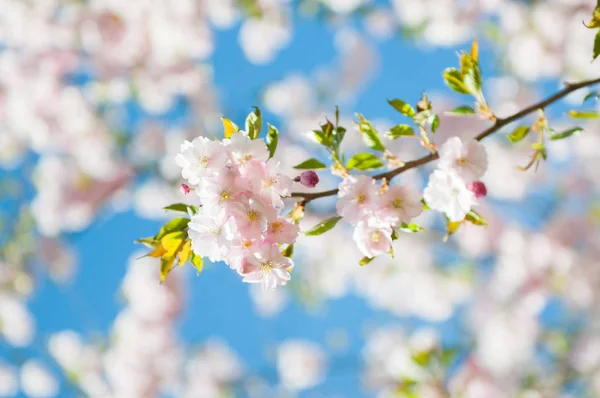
(96, 97)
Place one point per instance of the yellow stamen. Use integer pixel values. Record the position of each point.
(204, 162)
(375, 237)
(252, 215)
(267, 267)
(276, 226)
(397, 203)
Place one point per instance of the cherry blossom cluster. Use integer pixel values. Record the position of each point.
(454, 187)
(375, 210)
(239, 221)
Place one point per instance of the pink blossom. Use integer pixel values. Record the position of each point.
(252, 219)
(211, 234)
(399, 205)
(373, 238)
(243, 149)
(267, 266)
(357, 197)
(468, 160)
(185, 189)
(281, 231)
(447, 193)
(201, 158)
(266, 181)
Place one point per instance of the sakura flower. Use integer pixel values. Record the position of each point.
(201, 158)
(211, 234)
(224, 191)
(267, 266)
(243, 149)
(468, 160)
(281, 231)
(357, 195)
(300, 364)
(399, 205)
(447, 193)
(373, 238)
(266, 181)
(252, 219)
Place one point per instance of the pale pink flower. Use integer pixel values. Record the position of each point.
(266, 181)
(252, 219)
(201, 158)
(357, 196)
(267, 266)
(281, 231)
(373, 238)
(468, 160)
(224, 191)
(399, 205)
(447, 193)
(243, 149)
(211, 234)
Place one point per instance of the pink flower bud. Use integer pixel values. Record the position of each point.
(185, 189)
(309, 179)
(478, 188)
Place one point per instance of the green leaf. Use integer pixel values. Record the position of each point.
(182, 207)
(583, 114)
(364, 161)
(166, 265)
(454, 80)
(311, 164)
(365, 260)
(254, 123)
(323, 226)
(175, 225)
(422, 117)
(435, 122)
(150, 241)
(597, 45)
(410, 228)
(472, 78)
(369, 134)
(474, 218)
(461, 110)
(400, 130)
(272, 139)
(402, 107)
(338, 135)
(595, 95)
(288, 252)
(519, 133)
(566, 133)
(197, 262)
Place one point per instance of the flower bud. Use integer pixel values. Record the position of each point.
(478, 188)
(185, 189)
(309, 179)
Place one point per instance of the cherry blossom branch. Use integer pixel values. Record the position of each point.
(498, 124)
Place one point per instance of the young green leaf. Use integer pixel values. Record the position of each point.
(461, 110)
(454, 80)
(254, 123)
(519, 133)
(400, 130)
(288, 251)
(175, 225)
(272, 139)
(150, 241)
(566, 133)
(365, 260)
(364, 161)
(323, 226)
(182, 207)
(311, 164)
(597, 45)
(410, 228)
(583, 114)
(402, 107)
(196, 261)
(475, 218)
(594, 94)
(434, 120)
(369, 134)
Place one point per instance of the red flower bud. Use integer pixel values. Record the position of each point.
(478, 188)
(185, 189)
(309, 179)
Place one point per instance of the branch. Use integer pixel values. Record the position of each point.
(499, 123)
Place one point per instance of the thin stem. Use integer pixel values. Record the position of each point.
(498, 124)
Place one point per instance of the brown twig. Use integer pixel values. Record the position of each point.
(498, 124)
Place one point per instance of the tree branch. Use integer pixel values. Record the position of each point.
(499, 123)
